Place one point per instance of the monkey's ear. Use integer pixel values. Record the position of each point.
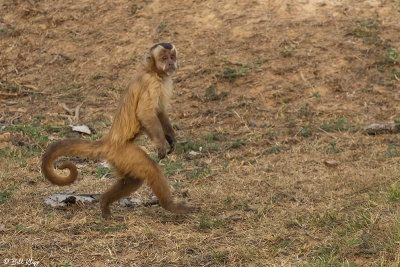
(147, 57)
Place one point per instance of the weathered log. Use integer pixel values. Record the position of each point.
(382, 128)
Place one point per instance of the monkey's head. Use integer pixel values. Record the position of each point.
(162, 59)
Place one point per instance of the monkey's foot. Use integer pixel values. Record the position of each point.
(106, 215)
(105, 211)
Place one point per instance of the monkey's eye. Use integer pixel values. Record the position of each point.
(164, 58)
(173, 57)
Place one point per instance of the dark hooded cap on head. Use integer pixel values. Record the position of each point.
(168, 46)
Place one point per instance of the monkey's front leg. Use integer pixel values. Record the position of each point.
(154, 130)
(168, 130)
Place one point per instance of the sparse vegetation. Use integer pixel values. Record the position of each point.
(172, 167)
(367, 29)
(392, 152)
(332, 148)
(211, 93)
(102, 227)
(188, 145)
(212, 137)
(335, 125)
(274, 154)
(391, 56)
(306, 111)
(231, 74)
(393, 193)
(305, 131)
(6, 194)
(102, 172)
(33, 133)
(66, 264)
(238, 143)
(275, 149)
(208, 224)
(316, 94)
(200, 169)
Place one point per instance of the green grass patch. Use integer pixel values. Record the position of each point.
(172, 167)
(367, 29)
(316, 94)
(231, 74)
(33, 132)
(359, 220)
(393, 193)
(306, 111)
(326, 219)
(102, 172)
(208, 224)
(6, 194)
(66, 263)
(188, 145)
(327, 257)
(395, 74)
(20, 152)
(220, 137)
(335, 125)
(238, 143)
(93, 137)
(305, 131)
(392, 152)
(212, 93)
(332, 148)
(8, 87)
(391, 57)
(201, 169)
(275, 149)
(220, 256)
(102, 227)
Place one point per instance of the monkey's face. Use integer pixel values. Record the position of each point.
(165, 59)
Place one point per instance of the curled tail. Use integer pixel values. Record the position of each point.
(71, 147)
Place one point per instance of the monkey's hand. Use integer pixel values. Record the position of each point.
(162, 152)
(171, 141)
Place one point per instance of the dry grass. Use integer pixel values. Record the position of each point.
(268, 89)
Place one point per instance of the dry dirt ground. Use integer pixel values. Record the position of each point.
(268, 89)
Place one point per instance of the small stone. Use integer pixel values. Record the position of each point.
(81, 129)
(130, 202)
(253, 123)
(194, 153)
(331, 163)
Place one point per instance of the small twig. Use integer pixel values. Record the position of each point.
(74, 113)
(31, 87)
(8, 94)
(240, 118)
(16, 117)
(69, 111)
(76, 117)
(331, 135)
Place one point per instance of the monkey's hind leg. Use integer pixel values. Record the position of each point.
(141, 165)
(122, 188)
(160, 188)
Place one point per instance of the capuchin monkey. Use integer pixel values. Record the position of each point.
(142, 110)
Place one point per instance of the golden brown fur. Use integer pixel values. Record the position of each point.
(142, 110)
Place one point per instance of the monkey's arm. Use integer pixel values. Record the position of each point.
(153, 128)
(168, 130)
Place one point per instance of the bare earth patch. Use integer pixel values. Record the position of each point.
(270, 104)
